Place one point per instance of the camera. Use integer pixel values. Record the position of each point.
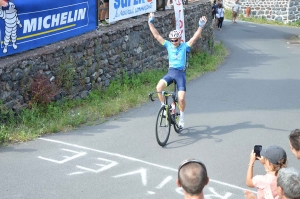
(257, 149)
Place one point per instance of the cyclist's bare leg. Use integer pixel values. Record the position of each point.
(161, 85)
(181, 100)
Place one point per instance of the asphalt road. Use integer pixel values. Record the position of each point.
(252, 98)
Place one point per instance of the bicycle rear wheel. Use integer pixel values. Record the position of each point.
(163, 126)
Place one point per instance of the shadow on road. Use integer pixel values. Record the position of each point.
(193, 134)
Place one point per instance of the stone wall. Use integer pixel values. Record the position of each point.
(92, 60)
(276, 10)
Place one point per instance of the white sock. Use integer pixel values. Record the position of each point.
(181, 115)
(162, 104)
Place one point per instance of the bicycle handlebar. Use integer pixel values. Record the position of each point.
(164, 93)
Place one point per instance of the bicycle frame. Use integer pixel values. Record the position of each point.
(166, 95)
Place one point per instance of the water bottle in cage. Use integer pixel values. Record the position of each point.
(173, 108)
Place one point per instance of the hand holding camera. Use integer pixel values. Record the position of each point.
(257, 149)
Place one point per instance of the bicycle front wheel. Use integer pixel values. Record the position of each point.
(163, 126)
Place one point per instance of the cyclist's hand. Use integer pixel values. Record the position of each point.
(202, 22)
(151, 18)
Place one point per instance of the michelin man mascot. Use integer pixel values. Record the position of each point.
(9, 14)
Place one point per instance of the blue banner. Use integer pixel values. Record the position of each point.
(30, 24)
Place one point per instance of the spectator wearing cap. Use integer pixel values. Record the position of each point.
(288, 185)
(192, 177)
(295, 142)
(273, 158)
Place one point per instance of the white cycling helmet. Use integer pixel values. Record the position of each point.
(175, 34)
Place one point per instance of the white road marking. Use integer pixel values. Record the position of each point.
(216, 195)
(104, 167)
(76, 173)
(67, 158)
(165, 181)
(142, 171)
(136, 160)
(179, 190)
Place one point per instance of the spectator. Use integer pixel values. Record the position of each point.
(273, 158)
(104, 13)
(295, 142)
(235, 10)
(214, 12)
(288, 185)
(192, 177)
(220, 15)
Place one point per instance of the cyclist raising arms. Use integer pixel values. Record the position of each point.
(177, 61)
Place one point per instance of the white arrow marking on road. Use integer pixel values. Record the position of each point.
(142, 171)
(165, 181)
(215, 194)
(67, 158)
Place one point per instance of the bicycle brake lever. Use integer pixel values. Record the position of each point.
(150, 96)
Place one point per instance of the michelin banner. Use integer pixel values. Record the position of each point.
(30, 24)
(123, 9)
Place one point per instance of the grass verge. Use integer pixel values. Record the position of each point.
(123, 93)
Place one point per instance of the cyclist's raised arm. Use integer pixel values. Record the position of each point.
(153, 29)
(202, 22)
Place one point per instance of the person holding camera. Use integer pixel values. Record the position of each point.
(288, 185)
(273, 158)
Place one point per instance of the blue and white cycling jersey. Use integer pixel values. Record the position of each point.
(177, 55)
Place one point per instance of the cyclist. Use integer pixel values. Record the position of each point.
(177, 61)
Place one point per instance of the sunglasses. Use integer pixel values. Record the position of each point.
(174, 40)
(185, 162)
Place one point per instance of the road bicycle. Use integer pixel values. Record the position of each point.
(167, 116)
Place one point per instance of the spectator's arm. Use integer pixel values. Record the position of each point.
(249, 175)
